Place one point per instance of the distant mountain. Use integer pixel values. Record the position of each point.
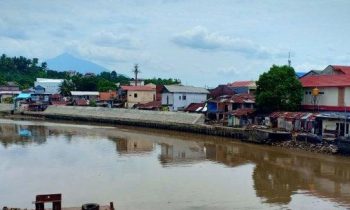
(66, 62)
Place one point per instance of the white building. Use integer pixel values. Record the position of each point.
(51, 86)
(333, 87)
(177, 97)
(87, 95)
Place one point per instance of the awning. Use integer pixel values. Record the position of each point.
(23, 96)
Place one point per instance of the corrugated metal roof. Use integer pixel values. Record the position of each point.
(84, 93)
(48, 80)
(23, 96)
(150, 105)
(194, 107)
(242, 112)
(185, 89)
(10, 92)
(238, 98)
(105, 96)
(242, 84)
(292, 115)
(326, 81)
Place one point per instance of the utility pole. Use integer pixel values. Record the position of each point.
(289, 61)
(136, 72)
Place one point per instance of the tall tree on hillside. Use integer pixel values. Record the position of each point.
(279, 89)
(113, 75)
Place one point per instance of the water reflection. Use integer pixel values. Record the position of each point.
(277, 175)
(130, 146)
(22, 134)
(180, 152)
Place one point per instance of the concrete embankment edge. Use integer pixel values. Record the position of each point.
(252, 136)
(185, 127)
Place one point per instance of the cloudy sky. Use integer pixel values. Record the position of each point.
(201, 42)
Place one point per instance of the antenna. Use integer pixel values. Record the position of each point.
(136, 72)
(289, 61)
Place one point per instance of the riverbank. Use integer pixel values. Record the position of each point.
(177, 121)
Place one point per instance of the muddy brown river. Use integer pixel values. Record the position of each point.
(155, 169)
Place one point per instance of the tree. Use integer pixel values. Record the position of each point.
(44, 65)
(161, 81)
(279, 89)
(104, 85)
(35, 62)
(113, 75)
(66, 87)
(2, 80)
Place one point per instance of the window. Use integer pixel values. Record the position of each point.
(321, 93)
(183, 97)
(135, 95)
(179, 97)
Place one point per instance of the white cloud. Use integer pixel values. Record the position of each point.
(305, 67)
(200, 38)
(242, 39)
(110, 39)
(107, 56)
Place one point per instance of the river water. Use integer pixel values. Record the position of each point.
(154, 169)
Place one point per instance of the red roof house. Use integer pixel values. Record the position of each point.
(106, 96)
(334, 91)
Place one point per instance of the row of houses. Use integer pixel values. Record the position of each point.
(325, 91)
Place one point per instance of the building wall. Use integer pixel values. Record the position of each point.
(328, 96)
(50, 87)
(182, 100)
(86, 97)
(347, 96)
(167, 99)
(141, 97)
(331, 125)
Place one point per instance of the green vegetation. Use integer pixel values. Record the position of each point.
(279, 89)
(66, 87)
(21, 70)
(160, 81)
(24, 71)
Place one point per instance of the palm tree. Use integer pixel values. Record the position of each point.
(66, 87)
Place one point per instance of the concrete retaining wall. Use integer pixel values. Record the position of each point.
(125, 114)
(178, 121)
